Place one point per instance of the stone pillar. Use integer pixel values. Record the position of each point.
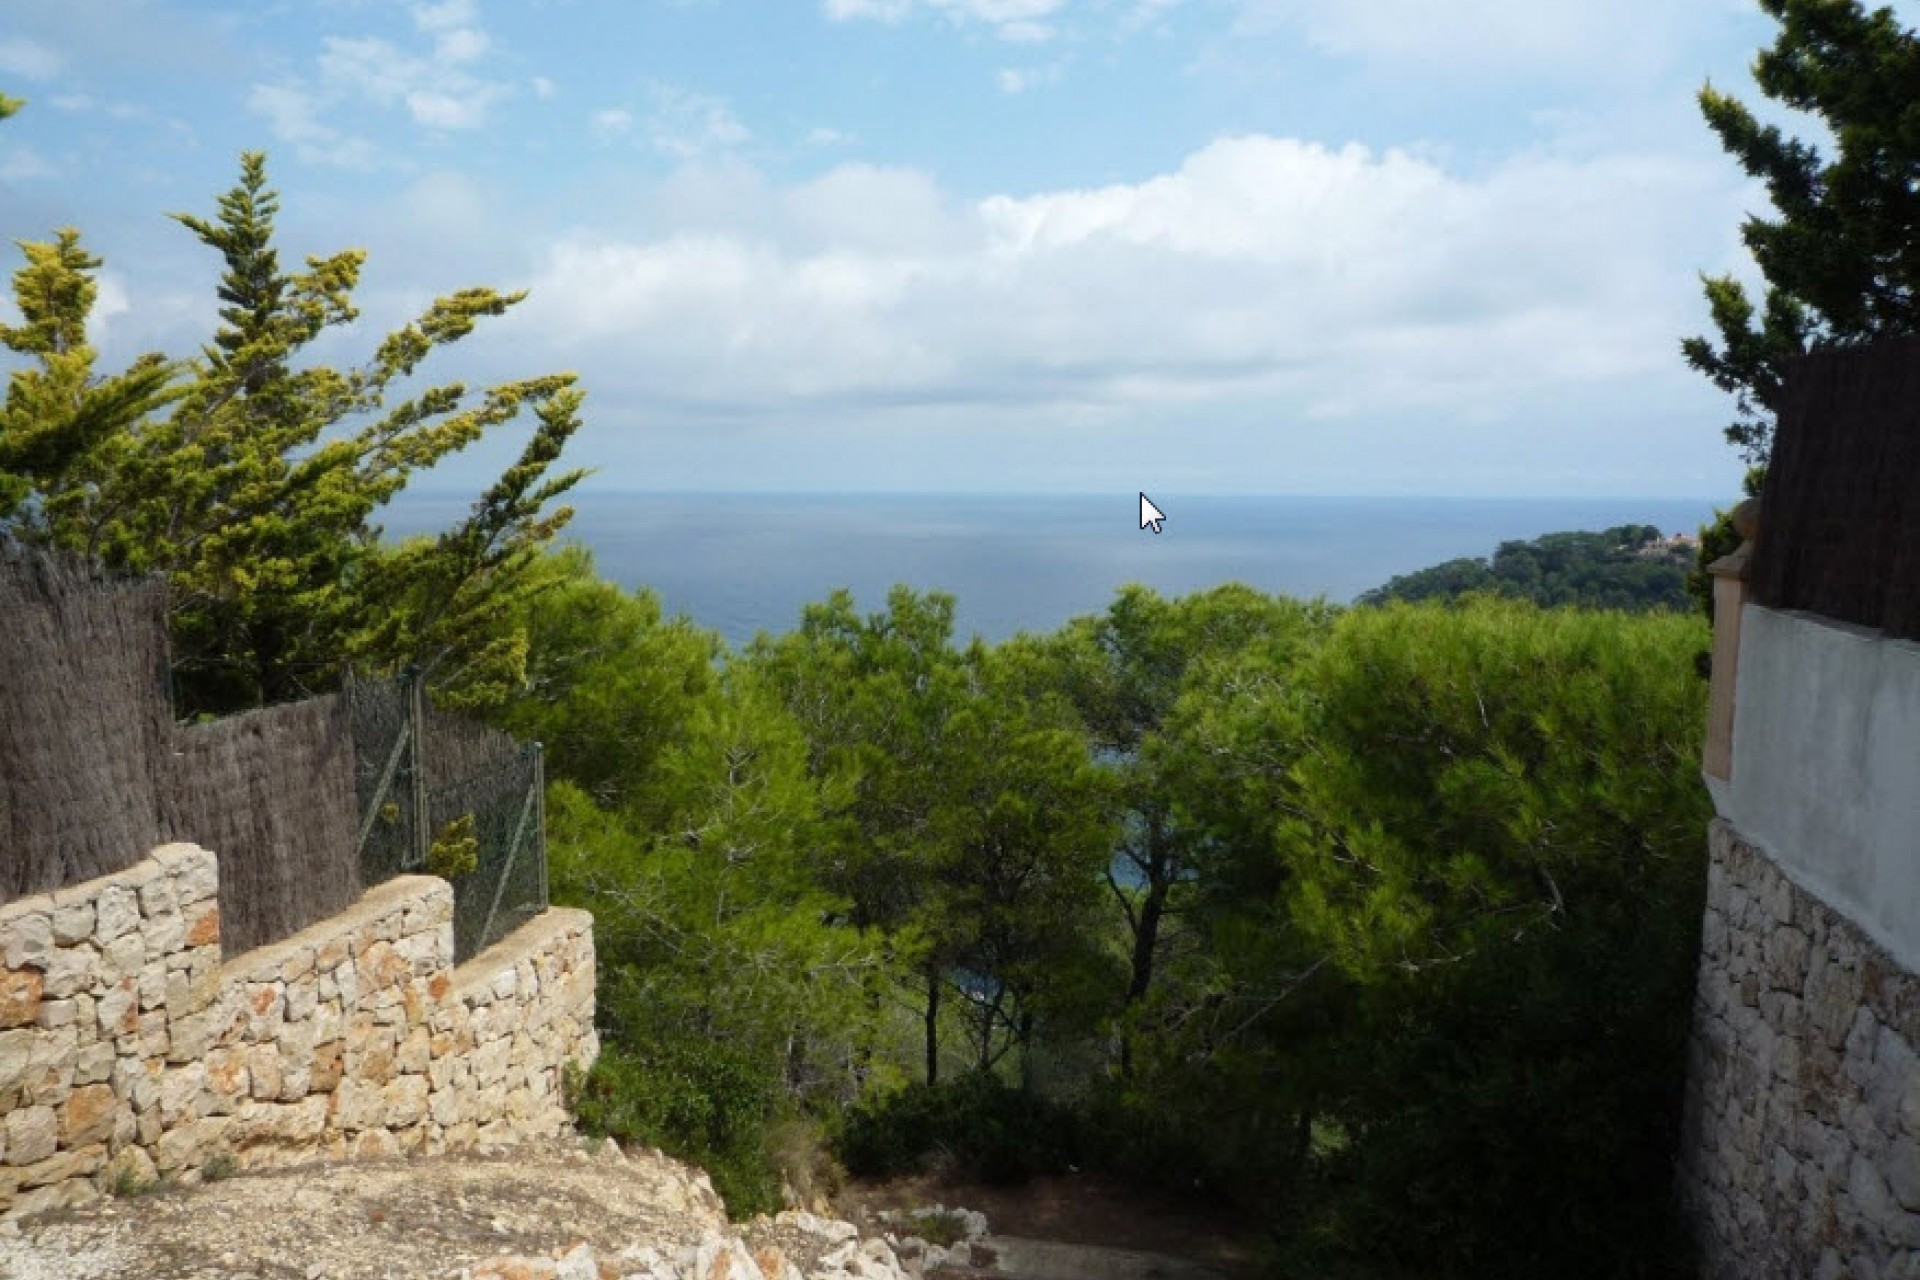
(1729, 595)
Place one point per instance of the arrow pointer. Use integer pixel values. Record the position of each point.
(1150, 515)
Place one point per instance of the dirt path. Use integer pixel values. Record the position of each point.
(1117, 1227)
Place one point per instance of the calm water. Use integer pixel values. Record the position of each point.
(744, 563)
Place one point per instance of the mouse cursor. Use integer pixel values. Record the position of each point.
(1150, 515)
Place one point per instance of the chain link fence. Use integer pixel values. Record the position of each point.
(305, 804)
(440, 794)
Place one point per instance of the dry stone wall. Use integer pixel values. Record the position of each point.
(129, 1051)
(1801, 1156)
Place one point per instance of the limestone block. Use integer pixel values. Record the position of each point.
(227, 1078)
(72, 922)
(158, 898)
(422, 953)
(298, 1124)
(490, 1061)
(194, 1034)
(64, 1165)
(59, 1013)
(448, 1106)
(203, 924)
(347, 979)
(71, 1194)
(118, 1012)
(296, 964)
(379, 965)
(51, 1059)
(263, 1071)
(415, 1051)
(33, 1134)
(21, 991)
(197, 878)
(87, 1115)
(1902, 1164)
(137, 1082)
(116, 913)
(375, 1144)
(331, 954)
(264, 1006)
(406, 1101)
(180, 1091)
(70, 970)
(1895, 1067)
(94, 1064)
(357, 1105)
(302, 997)
(26, 937)
(327, 1062)
(154, 1036)
(165, 934)
(150, 982)
(190, 1145)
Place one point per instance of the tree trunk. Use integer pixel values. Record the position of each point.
(933, 1026)
(1146, 943)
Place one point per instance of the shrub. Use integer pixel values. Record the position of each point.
(976, 1126)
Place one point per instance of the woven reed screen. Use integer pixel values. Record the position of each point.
(1840, 519)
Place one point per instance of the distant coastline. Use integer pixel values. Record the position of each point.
(740, 563)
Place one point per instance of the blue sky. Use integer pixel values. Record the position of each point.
(1284, 246)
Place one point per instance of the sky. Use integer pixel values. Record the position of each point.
(1001, 246)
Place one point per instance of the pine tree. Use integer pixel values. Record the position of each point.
(1842, 258)
(255, 493)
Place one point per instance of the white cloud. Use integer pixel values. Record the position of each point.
(23, 164)
(542, 87)
(1324, 283)
(1020, 79)
(438, 87)
(436, 90)
(1017, 21)
(111, 301)
(612, 122)
(295, 115)
(684, 124)
(28, 59)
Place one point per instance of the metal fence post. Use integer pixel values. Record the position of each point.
(417, 727)
(540, 817)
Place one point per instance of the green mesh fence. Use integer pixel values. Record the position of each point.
(443, 795)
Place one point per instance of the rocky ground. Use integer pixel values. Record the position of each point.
(563, 1210)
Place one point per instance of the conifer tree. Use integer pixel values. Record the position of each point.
(1842, 257)
(254, 494)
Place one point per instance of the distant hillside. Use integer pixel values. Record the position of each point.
(1631, 566)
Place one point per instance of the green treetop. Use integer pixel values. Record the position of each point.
(254, 492)
(1842, 258)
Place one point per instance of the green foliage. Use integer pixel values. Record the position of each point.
(611, 687)
(706, 1104)
(975, 1127)
(1497, 844)
(455, 852)
(1620, 568)
(1718, 539)
(1842, 257)
(249, 475)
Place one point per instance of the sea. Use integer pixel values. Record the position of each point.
(745, 563)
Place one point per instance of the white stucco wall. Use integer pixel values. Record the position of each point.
(1826, 766)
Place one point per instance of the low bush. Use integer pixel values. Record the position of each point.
(977, 1127)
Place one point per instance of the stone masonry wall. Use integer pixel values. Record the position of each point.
(128, 1051)
(1801, 1156)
